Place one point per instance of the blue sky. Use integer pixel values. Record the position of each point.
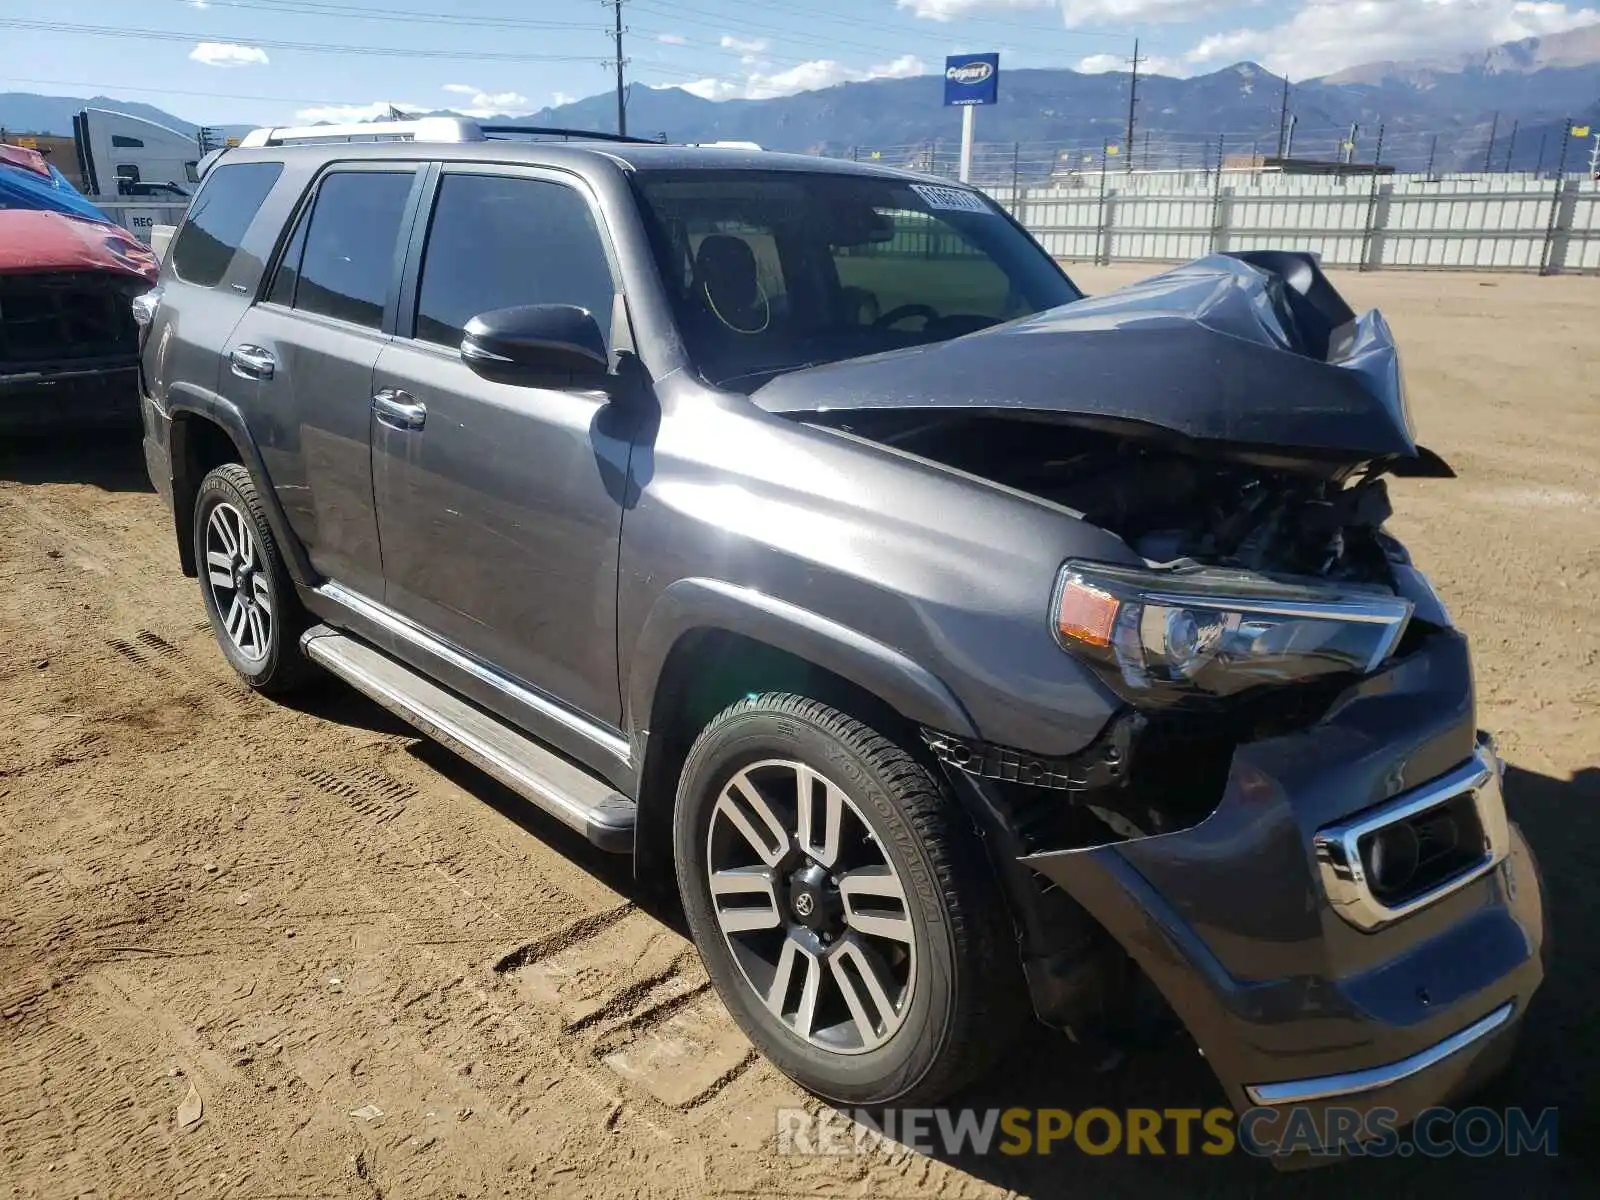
(276, 61)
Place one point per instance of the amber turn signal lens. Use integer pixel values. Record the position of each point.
(1086, 614)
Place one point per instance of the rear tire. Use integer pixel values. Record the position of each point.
(248, 594)
(843, 905)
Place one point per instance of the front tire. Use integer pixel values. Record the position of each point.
(842, 905)
(248, 594)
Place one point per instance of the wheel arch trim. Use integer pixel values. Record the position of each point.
(697, 604)
(185, 404)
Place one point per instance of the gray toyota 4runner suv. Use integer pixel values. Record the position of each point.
(956, 644)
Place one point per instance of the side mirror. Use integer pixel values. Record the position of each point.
(535, 341)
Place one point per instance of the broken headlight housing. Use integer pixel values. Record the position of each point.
(1163, 633)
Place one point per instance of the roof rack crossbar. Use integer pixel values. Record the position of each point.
(587, 135)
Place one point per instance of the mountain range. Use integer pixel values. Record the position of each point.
(1508, 104)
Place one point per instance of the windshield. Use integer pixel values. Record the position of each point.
(769, 271)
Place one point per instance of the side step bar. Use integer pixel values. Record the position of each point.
(567, 792)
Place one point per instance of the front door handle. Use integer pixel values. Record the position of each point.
(399, 410)
(251, 362)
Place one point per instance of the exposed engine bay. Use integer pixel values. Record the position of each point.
(1316, 522)
(1152, 772)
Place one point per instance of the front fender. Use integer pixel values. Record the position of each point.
(697, 603)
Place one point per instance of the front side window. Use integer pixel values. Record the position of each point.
(497, 241)
(218, 218)
(770, 271)
(347, 262)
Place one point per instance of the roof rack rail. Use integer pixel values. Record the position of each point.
(424, 129)
(587, 135)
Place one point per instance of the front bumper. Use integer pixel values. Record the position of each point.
(1290, 1001)
(70, 398)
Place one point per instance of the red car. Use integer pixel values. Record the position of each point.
(69, 347)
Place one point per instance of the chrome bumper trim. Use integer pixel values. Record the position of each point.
(1337, 847)
(1301, 1091)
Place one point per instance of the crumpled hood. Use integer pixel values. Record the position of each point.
(34, 240)
(1253, 351)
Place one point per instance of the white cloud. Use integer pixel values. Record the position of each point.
(672, 39)
(345, 114)
(952, 10)
(1100, 64)
(1324, 36)
(228, 54)
(560, 99)
(808, 76)
(488, 104)
(744, 45)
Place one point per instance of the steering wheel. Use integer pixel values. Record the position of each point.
(895, 315)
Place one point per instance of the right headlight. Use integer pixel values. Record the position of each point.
(1216, 631)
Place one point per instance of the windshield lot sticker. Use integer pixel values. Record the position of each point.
(949, 199)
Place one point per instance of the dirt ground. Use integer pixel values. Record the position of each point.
(260, 951)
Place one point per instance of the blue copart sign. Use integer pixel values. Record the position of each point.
(972, 79)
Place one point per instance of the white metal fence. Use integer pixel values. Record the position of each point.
(1477, 222)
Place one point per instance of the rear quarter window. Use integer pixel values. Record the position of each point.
(218, 218)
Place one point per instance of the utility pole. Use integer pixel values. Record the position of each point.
(1283, 120)
(1133, 100)
(1511, 145)
(1494, 128)
(617, 30)
(1288, 138)
(1538, 167)
(1433, 149)
(1555, 199)
(1350, 144)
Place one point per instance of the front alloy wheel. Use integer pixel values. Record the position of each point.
(842, 904)
(810, 907)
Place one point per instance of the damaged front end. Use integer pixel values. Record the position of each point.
(1291, 826)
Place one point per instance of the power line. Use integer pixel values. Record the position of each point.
(403, 16)
(172, 35)
(101, 86)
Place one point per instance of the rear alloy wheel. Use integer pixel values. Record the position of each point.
(842, 904)
(239, 587)
(248, 594)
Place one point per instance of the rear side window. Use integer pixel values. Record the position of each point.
(497, 241)
(347, 260)
(218, 218)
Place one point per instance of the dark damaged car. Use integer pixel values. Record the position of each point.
(953, 643)
(69, 350)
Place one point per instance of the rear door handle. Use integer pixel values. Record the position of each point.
(251, 362)
(399, 410)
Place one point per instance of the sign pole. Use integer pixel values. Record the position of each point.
(970, 80)
(967, 112)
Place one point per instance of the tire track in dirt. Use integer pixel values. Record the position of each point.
(310, 921)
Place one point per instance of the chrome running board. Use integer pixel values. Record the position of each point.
(567, 792)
